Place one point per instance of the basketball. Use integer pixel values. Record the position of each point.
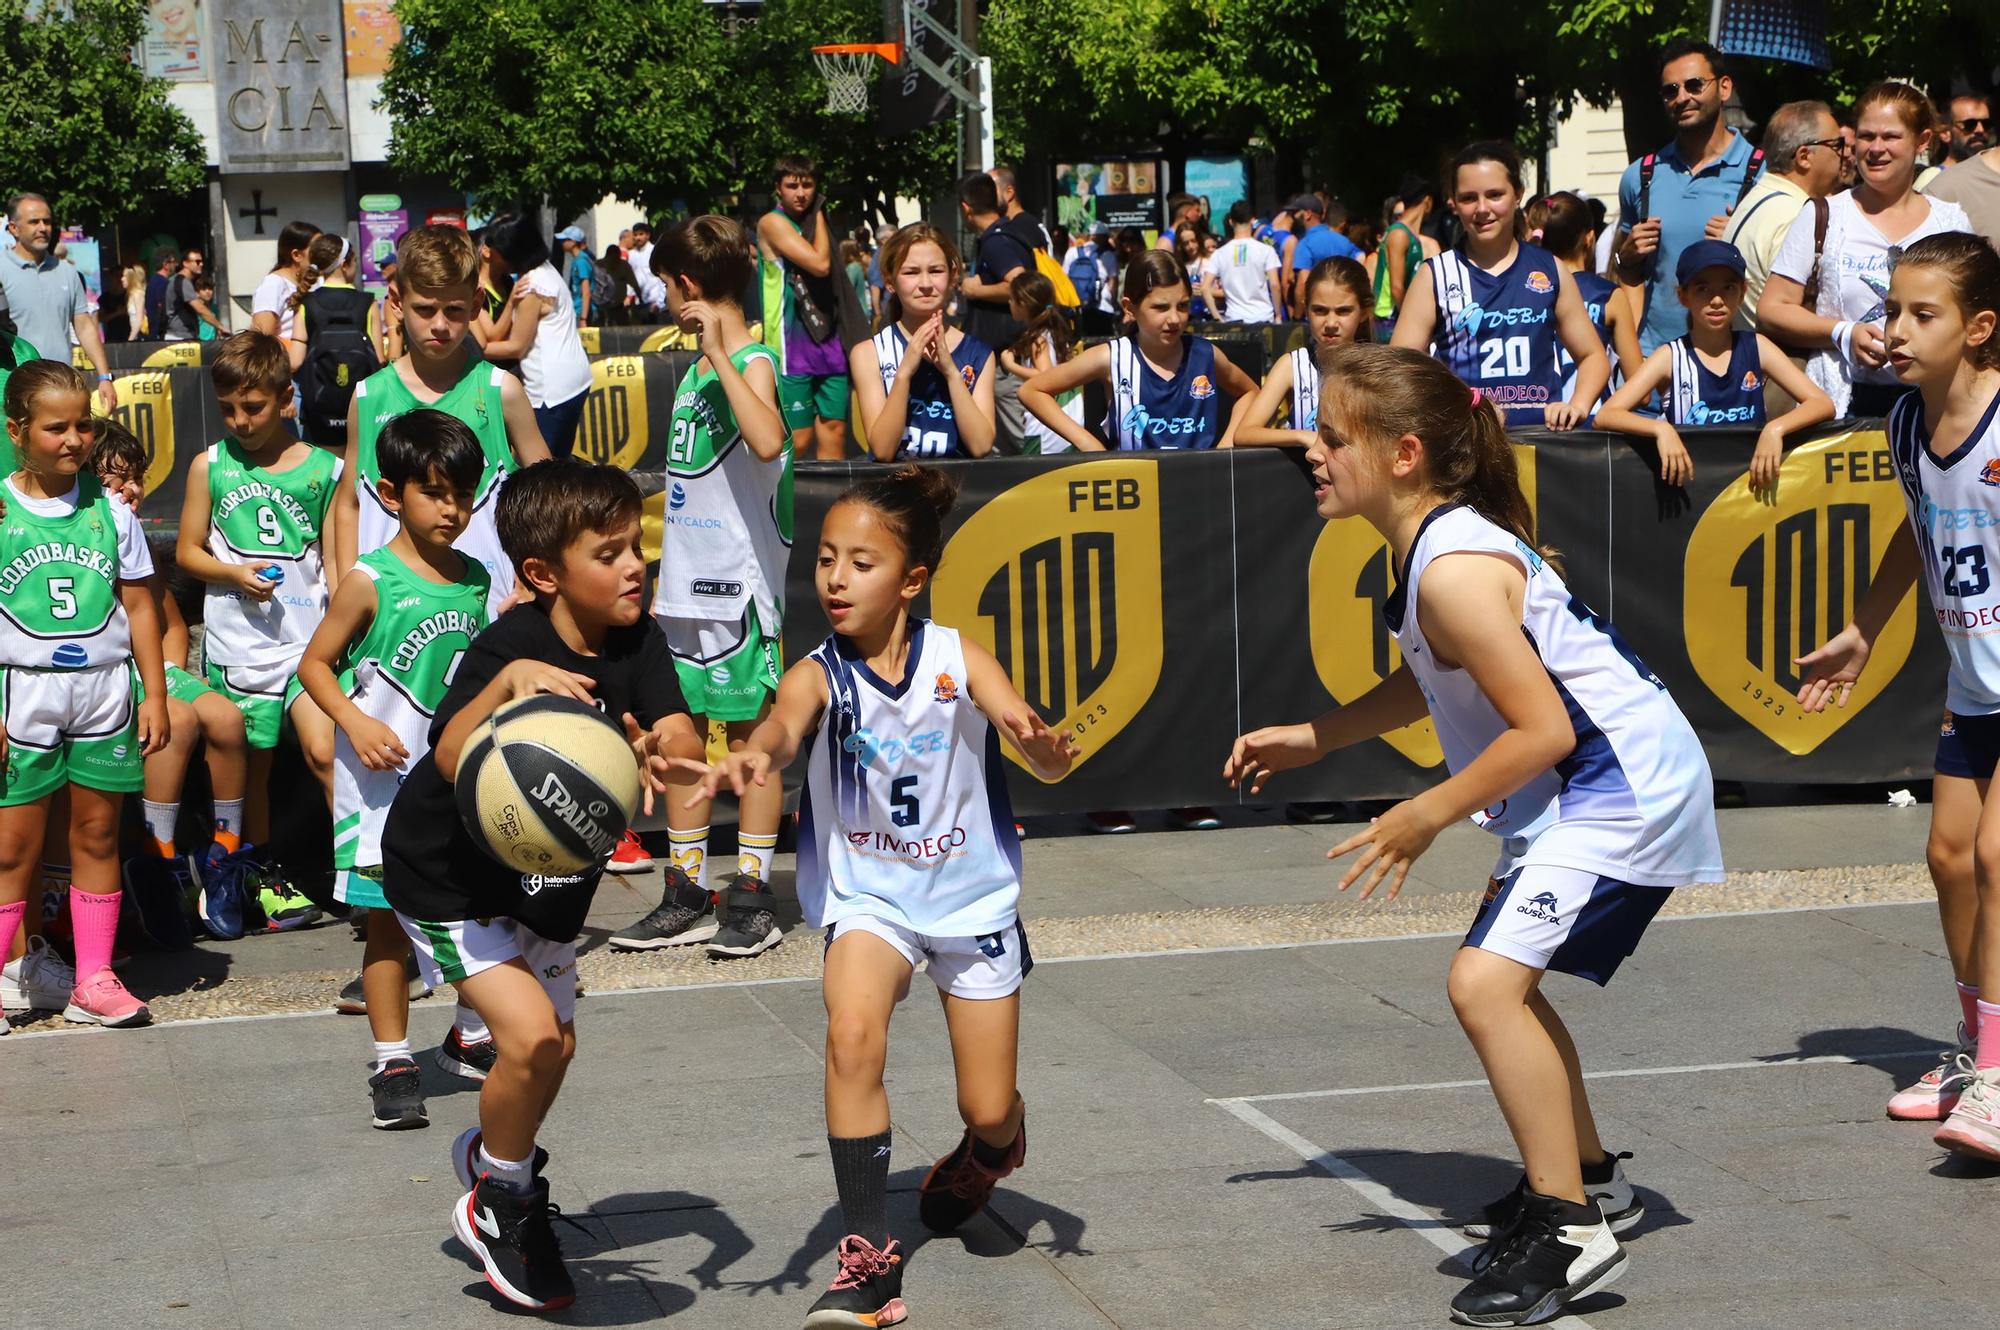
(548, 785)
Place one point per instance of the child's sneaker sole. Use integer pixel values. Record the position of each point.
(468, 1233)
(893, 1313)
(757, 948)
(83, 1016)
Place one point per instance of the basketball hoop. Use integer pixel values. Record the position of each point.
(848, 67)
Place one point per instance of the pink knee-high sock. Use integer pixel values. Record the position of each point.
(10, 919)
(1989, 1035)
(1968, 1007)
(95, 921)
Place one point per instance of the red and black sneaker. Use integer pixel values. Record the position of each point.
(510, 1234)
(959, 1185)
(868, 1290)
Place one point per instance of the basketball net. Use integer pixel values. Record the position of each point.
(848, 69)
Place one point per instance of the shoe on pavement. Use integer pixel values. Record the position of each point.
(158, 889)
(1111, 822)
(37, 980)
(353, 1001)
(749, 924)
(629, 855)
(1603, 1182)
(465, 1157)
(102, 1000)
(959, 1185)
(283, 906)
(472, 1061)
(224, 903)
(511, 1235)
(1974, 1125)
(1935, 1094)
(1196, 819)
(397, 1092)
(685, 916)
(866, 1292)
(1555, 1254)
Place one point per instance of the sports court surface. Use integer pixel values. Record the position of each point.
(1243, 1110)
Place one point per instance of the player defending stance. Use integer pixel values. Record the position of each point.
(1943, 302)
(907, 853)
(1559, 739)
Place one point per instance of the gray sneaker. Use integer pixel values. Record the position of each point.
(354, 1002)
(683, 918)
(749, 927)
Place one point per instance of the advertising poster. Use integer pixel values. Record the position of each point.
(1220, 180)
(1124, 193)
(381, 227)
(83, 252)
(171, 48)
(372, 33)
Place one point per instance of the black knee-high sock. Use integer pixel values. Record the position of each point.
(861, 1176)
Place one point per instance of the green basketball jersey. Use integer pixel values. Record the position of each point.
(267, 519)
(727, 528)
(474, 399)
(59, 572)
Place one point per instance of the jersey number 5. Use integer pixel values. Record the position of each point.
(903, 794)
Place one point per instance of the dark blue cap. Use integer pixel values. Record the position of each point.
(1707, 254)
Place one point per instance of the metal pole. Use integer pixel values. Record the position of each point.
(984, 73)
(1715, 22)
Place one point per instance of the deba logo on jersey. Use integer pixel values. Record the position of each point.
(613, 429)
(1060, 577)
(1768, 583)
(146, 407)
(1348, 580)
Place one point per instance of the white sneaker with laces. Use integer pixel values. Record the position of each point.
(38, 981)
(1935, 1094)
(1974, 1125)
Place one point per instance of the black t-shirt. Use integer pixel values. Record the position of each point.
(432, 869)
(1000, 252)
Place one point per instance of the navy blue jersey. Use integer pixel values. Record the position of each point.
(931, 429)
(1596, 292)
(1697, 395)
(1148, 411)
(1497, 331)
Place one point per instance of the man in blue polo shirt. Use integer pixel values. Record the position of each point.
(1696, 180)
(1318, 241)
(45, 295)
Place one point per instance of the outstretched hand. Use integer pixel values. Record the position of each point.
(1830, 673)
(1261, 754)
(1048, 751)
(1389, 845)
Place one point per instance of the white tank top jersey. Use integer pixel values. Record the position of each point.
(1634, 800)
(905, 815)
(1305, 390)
(1954, 507)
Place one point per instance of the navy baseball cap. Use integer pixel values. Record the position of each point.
(1707, 254)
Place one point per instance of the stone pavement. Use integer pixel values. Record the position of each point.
(1257, 1137)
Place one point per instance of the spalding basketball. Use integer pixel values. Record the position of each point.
(547, 785)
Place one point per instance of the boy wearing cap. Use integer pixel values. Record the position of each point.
(578, 271)
(1714, 375)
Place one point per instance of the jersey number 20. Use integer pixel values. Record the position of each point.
(1504, 357)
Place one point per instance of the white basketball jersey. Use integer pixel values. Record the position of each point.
(1305, 390)
(1955, 510)
(1634, 800)
(905, 815)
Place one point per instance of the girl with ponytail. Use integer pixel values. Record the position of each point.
(1559, 740)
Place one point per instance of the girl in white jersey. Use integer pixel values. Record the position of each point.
(1943, 302)
(1559, 740)
(1286, 412)
(907, 853)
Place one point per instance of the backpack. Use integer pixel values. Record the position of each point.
(607, 293)
(1046, 265)
(1083, 275)
(338, 357)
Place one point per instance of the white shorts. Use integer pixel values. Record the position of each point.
(361, 800)
(1564, 919)
(989, 966)
(460, 948)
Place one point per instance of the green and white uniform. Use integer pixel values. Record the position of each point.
(260, 518)
(397, 671)
(67, 686)
(184, 687)
(725, 536)
(474, 399)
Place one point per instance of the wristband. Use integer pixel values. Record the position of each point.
(104, 378)
(1843, 339)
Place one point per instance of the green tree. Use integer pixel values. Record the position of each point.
(85, 126)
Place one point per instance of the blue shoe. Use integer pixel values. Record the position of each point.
(223, 905)
(159, 889)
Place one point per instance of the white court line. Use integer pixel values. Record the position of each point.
(1047, 960)
(1759, 1064)
(1421, 1222)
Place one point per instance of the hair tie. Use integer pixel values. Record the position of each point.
(340, 261)
(1535, 236)
(1477, 398)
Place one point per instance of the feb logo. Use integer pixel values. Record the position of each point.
(947, 688)
(1201, 387)
(146, 407)
(1766, 584)
(613, 429)
(1990, 473)
(1349, 579)
(1539, 283)
(1059, 576)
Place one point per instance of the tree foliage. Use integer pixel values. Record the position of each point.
(85, 126)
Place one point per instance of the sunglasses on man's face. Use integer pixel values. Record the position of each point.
(1694, 86)
(1975, 125)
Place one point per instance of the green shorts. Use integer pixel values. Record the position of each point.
(727, 671)
(182, 686)
(70, 727)
(802, 397)
(263, 704)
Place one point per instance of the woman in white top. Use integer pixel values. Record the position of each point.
(272, 303)
(542, 335)
(1865, 227)
(135, 300)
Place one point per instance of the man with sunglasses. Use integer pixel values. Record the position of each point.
(1973, 181)
(1802, 155)
(1688, 187)
(1968, 130)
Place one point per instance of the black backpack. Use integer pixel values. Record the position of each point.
(338, 357)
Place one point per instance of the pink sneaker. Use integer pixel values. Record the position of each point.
(1974, 1126)
(102, 1000)
(1936, 1092)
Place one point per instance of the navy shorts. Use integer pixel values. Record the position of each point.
(1564, 919)
(1968, 746)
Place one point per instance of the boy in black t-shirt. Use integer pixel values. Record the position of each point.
(507, 941)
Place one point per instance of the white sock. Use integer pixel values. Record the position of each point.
(385, 1053)
(754, 854)
(689, 851)
(471, 1030)
(517, 1174)
(160, 819)
(229, 816)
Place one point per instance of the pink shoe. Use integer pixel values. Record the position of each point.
(102, 1000)
(1974, 1126)
(1936, 1092)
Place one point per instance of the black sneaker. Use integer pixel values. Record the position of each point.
(1604, 1182)
(471, 1061)
(465, 1157)
(354, 1002)
(867, 1291)
(749, 927)
(1556, 1253)
(509, 1231)
(685, 916)
(398, 1092)
(958, 1185)
(159, 889)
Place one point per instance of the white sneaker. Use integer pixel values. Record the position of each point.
(1935, 1094)
(1974, 1125)
(38, 981)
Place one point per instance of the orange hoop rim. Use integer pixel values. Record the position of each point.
(889, 51)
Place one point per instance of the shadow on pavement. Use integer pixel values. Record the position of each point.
(1886, 1048)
